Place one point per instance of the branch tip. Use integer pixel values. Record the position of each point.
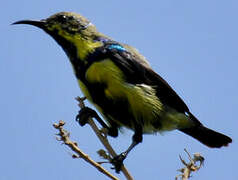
(191, 166)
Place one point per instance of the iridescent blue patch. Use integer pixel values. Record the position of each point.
(117, 47)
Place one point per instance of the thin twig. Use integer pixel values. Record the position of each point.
(103, 139)
(191, 166)
(64, 136)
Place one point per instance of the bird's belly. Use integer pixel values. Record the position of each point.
(128, 105)
(123, 103)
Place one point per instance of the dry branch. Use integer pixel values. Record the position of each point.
(191, 166)
(64, 136)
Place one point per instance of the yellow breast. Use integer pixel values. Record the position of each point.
(143, 102)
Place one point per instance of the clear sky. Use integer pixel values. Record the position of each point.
(192, 44)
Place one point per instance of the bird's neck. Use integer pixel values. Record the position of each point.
(83, 46)
(76, 46)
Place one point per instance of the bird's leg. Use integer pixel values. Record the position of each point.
(85, 113)
(117, 161)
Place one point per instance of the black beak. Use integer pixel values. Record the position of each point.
(39, 24)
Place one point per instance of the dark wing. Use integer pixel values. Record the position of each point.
(139, 73)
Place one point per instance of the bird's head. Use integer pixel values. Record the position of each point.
(70, 30)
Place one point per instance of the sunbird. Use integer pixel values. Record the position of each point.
(121, 85)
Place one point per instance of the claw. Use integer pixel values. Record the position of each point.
(84, 114)
(118, 162)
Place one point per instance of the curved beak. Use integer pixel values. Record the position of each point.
(39, 24)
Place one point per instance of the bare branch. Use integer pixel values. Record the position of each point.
(191, 166)
(64, 136)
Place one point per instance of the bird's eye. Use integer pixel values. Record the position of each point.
(62, 18)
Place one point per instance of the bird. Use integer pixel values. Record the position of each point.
(122, 85)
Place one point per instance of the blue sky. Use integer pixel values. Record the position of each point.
(192, 44)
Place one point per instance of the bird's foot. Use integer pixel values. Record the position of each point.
(84, 114)
(117, 162)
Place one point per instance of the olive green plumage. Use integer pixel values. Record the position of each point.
(120, 83)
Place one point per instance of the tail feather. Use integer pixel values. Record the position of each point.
(205, 135)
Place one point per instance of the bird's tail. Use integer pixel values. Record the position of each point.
(206, 136)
